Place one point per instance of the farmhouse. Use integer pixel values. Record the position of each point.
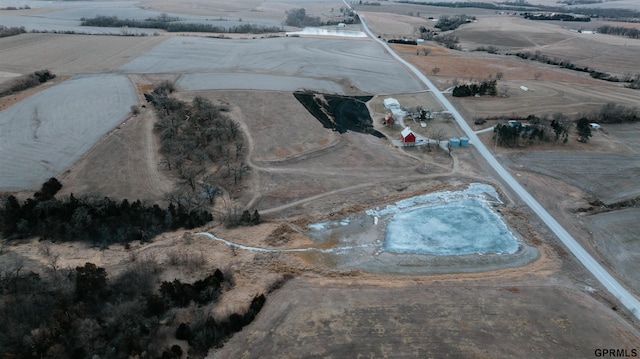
(408, 138)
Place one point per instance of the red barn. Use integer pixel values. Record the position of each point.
(408, 138)
(389, 120)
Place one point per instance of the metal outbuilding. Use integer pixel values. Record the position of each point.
(391, 103)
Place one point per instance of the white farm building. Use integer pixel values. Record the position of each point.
(391, 103)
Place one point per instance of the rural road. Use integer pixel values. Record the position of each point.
(612, 285)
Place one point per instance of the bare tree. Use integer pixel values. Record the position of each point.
(499, 75)
(239, 146)
(537, 75)
(435, 70)
(239, 171)
(190, 173)
(426, 51)
(210, 188)
(439, 134)
(233, 129)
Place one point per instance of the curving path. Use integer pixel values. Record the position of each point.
(606, 279)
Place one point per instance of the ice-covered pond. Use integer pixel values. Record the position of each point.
(328, 32)
(462, 226)
(447, 231)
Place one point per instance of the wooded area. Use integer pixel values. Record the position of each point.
(98, 220)
(83, 313)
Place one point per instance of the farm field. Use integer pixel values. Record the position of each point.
(343, 294)
(332, 318)
(127, 156)
(609, 177)
(614, 234)
(61, 17)
(549, 97)
(71, 54)
(40, 137)
(370, 70)
(249, 81)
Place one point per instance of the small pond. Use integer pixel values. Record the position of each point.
(462, 226)
(439, 232)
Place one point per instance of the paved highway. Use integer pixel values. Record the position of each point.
(625, 297)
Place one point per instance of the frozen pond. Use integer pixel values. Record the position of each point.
(440, 232)
(463, 226)
(328, 32)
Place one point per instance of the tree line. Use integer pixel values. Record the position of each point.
(617, 14)
(450, 41)
(446, 22)
(615, 113)
(24, 82)
(11, 31)
(98, 220)
(174, 25)
(459, 4)
(629, 32)
(299, 18)
(632, 81)
(485, 87)
(556, 17)
(84, 313)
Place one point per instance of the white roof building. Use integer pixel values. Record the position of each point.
(391, 103)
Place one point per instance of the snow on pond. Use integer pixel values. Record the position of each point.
(447, 223)
(462, 226)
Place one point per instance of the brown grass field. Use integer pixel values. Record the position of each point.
(303, 173)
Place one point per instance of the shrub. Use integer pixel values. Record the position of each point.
(22, 83)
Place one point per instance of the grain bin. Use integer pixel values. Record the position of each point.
(464, 141)
(454, 142)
